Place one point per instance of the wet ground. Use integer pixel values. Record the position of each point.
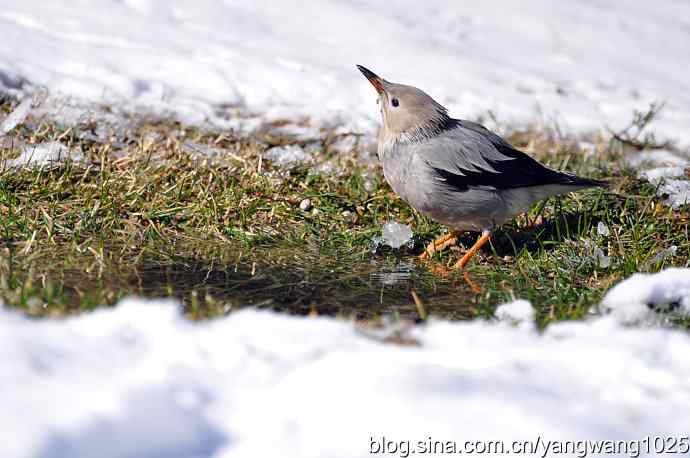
(360, 286)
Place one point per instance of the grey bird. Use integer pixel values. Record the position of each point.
(457, 172)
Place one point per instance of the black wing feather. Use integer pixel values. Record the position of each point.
(518, 171)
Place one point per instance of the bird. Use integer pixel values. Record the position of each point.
(457, 172)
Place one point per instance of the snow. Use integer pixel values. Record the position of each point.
(584, 65)
(669, 176)
(519, 311)
(677, 192)
(17, 115)
(287, 156)
(140, 380)
(636, 298)
(43, 154)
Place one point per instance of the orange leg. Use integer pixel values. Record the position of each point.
(472, 251)
(439, 244)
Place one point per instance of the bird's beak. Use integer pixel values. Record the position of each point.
(373, 79)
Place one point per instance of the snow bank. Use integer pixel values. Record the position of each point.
(139, 380)
(583, 64)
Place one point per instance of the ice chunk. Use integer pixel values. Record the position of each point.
(287, 156)
(602, 229)
(17, 116)
(518, 311)
(44, 153)
(395, 234)
(637, 297)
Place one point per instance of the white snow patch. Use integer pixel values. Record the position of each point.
(675, 190)
(43, 154)
(636, 298)
(139, 380)
(203, 151)
(17, 115)
(519, 311)
(657, 174)
(287, 156)
(660, 157)
(202, 60)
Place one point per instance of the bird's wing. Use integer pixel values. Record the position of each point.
(469, 155)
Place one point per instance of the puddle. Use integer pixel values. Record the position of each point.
(353, 286)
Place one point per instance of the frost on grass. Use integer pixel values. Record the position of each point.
(394, 235)
(639, 298)
(43, 154)
(287, 156)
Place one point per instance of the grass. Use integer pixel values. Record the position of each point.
(146, 213)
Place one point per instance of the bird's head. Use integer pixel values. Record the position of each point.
(405, 110)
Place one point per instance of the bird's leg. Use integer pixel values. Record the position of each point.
(472, 251)
(440, 244)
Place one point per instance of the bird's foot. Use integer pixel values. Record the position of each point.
(439, 244)
(472, 251)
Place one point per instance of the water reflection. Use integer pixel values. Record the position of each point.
(354, 286)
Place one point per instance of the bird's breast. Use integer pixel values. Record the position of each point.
(406, 174)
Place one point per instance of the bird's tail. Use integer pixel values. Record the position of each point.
(591, 182)
(575, 180)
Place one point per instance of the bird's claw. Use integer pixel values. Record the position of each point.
(439, 244)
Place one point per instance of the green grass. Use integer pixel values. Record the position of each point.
(145, 214)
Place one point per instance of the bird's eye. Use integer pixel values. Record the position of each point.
(395, 102)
